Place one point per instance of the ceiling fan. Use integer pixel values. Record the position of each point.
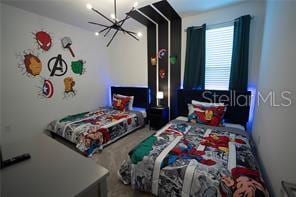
(116, 24)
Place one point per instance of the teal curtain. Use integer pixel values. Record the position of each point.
(240, 55)
(194, 75)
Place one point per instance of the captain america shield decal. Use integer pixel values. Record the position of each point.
(47, 89)
(162, 53)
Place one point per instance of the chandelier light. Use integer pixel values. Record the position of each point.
(115, 23)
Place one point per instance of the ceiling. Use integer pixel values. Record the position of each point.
(74, 12)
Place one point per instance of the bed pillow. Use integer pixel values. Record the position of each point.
(120, 103)
(208, 115)
(131, 100)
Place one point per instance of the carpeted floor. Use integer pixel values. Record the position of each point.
(111, 158)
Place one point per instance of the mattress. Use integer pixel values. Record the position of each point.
(91, 131)
(142, 110)
(185, 159)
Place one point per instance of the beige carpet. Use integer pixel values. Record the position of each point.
(111, 158)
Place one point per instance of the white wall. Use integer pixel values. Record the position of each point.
(24, 114)
(128, 60)
(274, 127)
(254, 8)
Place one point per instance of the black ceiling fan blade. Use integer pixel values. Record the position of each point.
(93, 23)
(131, 32)
(102, 15)
(116, 25)
(112, 38)
(121, 22)
(132, 36)
(107, 32)
(104, 29)
(127, 15)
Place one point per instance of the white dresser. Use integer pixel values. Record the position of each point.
(53, 170)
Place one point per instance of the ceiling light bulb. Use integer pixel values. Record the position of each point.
(139, 34)
(135, 4)
(112, 16)
(89, 6)
(97, 33)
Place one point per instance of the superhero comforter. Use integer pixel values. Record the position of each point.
(90, 131)
(184, 160)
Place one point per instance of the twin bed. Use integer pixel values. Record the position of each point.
(190, 159)
(93, 130)
(183, 159)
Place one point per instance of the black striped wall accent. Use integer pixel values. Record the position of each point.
(151, 51)
(158, 18)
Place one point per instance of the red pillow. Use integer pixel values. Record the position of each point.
(120, 103)
(209, 115)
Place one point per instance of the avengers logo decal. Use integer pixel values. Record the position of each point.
(57, 66)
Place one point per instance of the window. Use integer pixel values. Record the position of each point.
(218, 57)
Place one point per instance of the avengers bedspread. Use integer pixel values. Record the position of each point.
(184, 160)
(90, 131)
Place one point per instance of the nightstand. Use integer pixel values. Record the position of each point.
(158, 117)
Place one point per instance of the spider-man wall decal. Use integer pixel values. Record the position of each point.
(43, 40)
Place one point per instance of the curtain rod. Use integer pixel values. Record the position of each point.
(217, 24)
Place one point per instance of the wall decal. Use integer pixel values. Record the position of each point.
(43, 40)
(162, 73)
(158, 14)
(57, 66)
(162, 53)
(173, 59)
(153, 61)
(47, 89)
(29, 63)
(66, 43)
(69, 84)
(32, 64)
(78, 67)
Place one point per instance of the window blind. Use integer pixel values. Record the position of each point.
(218, 57)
